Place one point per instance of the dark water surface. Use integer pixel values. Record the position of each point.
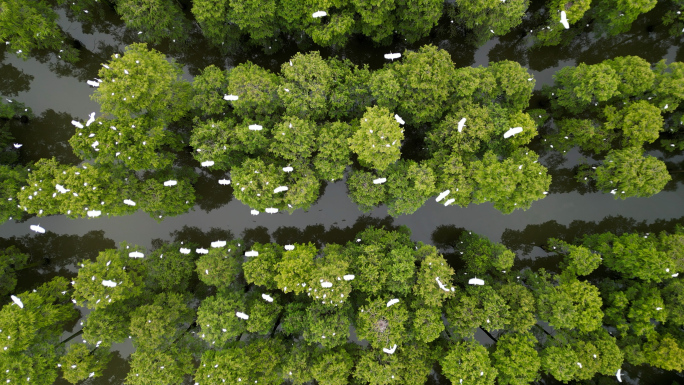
(57, 93)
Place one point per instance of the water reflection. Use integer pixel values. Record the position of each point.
(13, 81)
(46, 136)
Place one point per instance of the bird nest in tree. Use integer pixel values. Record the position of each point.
(381, 325)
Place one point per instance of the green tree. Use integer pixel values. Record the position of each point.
(143, 82)
(150, 366)
(481, 307)
(521, 302)
(262, 269)
(468, 362)
(635, 74)
(160, 200)
(333, 155)
(377, 19)
(578, 87)
(330, 267)
(487, 17)
(296, 267)
(427, 324)
(585, 133)
(577, 260)
(256, 18)
(570, 305)
(332, 367)
(513, 183)
(259, 360)
(221, 266)
(616, 16)
(257, 91)
(432, 266)
(351, 92)
(327, 325)
(669, 80)
(263, 314)
(113, 265)
(208, 89)
(11, 260)
(364, 192)
(294, 139)
(213, 17)
(381, 325)
(673, 297)
(110, 324)
(168, 269)
(377, 141)
(80, 362)
(482, 255)
(306, 86)
(512, 80)
(409, 185)
(217, 319)
(627, 173)
(156, 19)
(664, 351)
(158, 325)
(11, 179)
(516, 359)
(553, 33)
(640, 122)
(416, 18)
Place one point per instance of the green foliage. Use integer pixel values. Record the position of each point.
(306, 86)
(578, 87)
(161, 201)
(11, 179)
(553, 34)
(468, 362)
(158, 325)
(257, 18)
(382, 326)
(617, 16)
(79, 363)
(665, 352)
(331, 267)
(40, 368)
(296, 267)
(364, 192)
(516, 359)
(513, 81)
(208, 90)
(257, 91)
(168, 269)
(636, 77)
(259, 360)
(570, 305)
(640, 122)
(513, 183)
(108, 324)
(112, 265)
(375, 140)
(294, 139)
(417, 17)
(521, 303)
(333, 154)
(222, 266)
(212, 16)
(217, 320)
(585, 133)
(673, 296)
(426, 288)
(627, 173)
(152, 87)
(327, 325)
(150, 367)
(427, 324)
(487, 17)
(332, 367)
(482, 255)
(156, 19)
(262, 314)
(262, 269)
(669, 83)
(578, 260)
(478, 307)
(11, 260)
(409, 185)
(351, 92)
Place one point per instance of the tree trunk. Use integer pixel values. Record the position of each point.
(78, 333)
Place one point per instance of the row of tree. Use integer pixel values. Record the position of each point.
(231, 23)
(281, 136)
(267, 313)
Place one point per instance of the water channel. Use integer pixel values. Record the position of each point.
(57, 93)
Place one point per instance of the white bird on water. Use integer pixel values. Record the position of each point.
(91, 119)
(390, 351)
(564, 20)
(224, 182)
(619, 375)
(289, 247)
(318, 14)
(379, 180)
(267, 297)
(17, 145)
(170, 183)
(512, 131)
(94, 213)
(207, 163)
(392, 56)
(37, 229)
(77, 124)
(241, 315)
(93, 83)
(255, 212)
(108, 283)
(399, 119)
(450, 201)
(183, 250)
(392, 302)
(475, 281)
(271, 210)
(280, 189)
(129, 202)
(349, 277)
(136, 254)
(230, 97)
(16, 300)
(461, 123)
(251, 253)
(218, 244)
(442, 195)
(255, 127)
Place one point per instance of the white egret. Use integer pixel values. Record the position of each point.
(392, 302)
(441, 285)
(461, 123)
(17, 145)
(659, 308)
(136, 254)
(564, 20)
(230, 97)
(207, 163)
(37, 229)
(218, 244)
(93, 83)
(251, 253)
(399, 119)
(475, 281)
(77, 124)
(450, 201)
(316, 15)
(271, 210)
(224, 182)
(280, 189)
(392, 56)
(289, 247)
(201, 251)
(94, 213)
(185, 251)
(255, 212)
(675, 275)
(580, 365)
(16, 300)
(170, 183)
(390, 351)
(129, 202)
(108, 283)
(326, 284)
(349, 277)
(95, 144)
(241, 315)
(288, 169)
(255, 127)
(512, 131)
(619, 375)
(379, 180)
(91, 119)
(442, 195)
(267, 297)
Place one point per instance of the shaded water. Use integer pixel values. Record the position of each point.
(57, 93)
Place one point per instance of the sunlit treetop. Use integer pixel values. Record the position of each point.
(257, 92)
(377, 140)
(628, 173)
(156, 19)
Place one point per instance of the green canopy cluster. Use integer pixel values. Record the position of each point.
(377, 310)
